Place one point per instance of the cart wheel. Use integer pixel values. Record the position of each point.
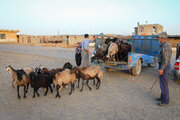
(137, 69)
(153, 63)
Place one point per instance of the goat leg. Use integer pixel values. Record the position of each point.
(61, 87)
(88, 85)
(51, 89)
(73, 86)
(104, 58)
(82, 85)
(18, 91)
(34, 93)
(71, 89)
(99, 83)
(57, 89)
(113, 58)
(94, 81)
(53, 85)
(116, 55)
(37, 92)
(86, 82)
(78, 82)
(27, 87)
(24, 91)
(46, 91)
(13, 83)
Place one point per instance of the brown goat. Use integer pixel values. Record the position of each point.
(64, 78)
(89, 73)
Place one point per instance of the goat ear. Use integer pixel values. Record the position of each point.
(72, 71)
(39, 66)
(32, 75)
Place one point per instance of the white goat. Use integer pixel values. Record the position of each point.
(112, 51)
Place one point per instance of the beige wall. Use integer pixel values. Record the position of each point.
(39, 39)
(10, 36)
(28, 39)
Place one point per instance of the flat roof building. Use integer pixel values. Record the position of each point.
(148, 29)
(8, 35)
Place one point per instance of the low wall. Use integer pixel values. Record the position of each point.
(28, 39)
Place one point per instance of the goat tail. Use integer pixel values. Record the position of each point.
(100, 74)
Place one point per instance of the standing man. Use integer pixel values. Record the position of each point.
(164, 68)
(86, 50)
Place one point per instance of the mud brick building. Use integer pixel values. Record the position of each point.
(8, 35)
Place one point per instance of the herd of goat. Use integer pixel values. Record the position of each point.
(59, 78)
(112, 50)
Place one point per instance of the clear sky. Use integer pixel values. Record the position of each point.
(47, 17)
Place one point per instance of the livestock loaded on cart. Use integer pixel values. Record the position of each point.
(138, 51)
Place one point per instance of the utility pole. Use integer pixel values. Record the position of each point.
(57, 32)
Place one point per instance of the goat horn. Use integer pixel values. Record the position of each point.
(39, 66)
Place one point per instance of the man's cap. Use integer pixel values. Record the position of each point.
(163, 35)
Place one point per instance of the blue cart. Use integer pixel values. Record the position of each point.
(144, 52)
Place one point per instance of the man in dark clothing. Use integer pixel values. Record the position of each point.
(164, 68)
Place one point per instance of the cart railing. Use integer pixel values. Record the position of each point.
(148, 45)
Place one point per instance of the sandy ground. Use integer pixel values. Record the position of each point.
(121, 96)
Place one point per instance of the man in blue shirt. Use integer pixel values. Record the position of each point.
(86, 50)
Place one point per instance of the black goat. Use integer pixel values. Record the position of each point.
(41, 80)
(68, 66)
(108, 40)
(124, 49)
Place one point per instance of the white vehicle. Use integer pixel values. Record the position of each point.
(177, 64)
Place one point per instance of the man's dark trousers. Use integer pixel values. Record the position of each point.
(164, 84)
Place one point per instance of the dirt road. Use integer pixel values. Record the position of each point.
(121, 96)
